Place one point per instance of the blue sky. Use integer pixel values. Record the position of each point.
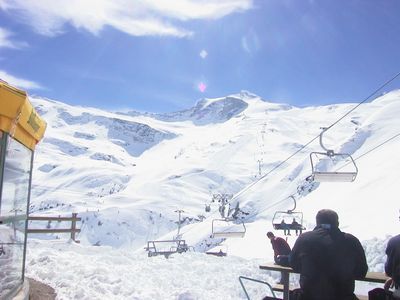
(152, 55)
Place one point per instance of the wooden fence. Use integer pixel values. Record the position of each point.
(73, 230)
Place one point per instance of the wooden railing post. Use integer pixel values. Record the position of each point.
(73, 226)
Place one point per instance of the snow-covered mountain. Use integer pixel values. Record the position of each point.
(126, 174)
(142, 168)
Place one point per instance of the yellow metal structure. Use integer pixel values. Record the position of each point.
(18, 117)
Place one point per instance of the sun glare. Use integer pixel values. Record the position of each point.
(202, 87)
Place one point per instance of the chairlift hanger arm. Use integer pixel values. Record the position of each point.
(329, 152)
(294, 202)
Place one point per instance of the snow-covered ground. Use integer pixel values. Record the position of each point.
(87, 272)
(126, 174)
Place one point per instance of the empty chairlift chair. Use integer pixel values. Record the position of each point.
(228, 228)
(332, 167)
(166, 247)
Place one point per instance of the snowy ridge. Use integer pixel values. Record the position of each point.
(125, 175)
(208, 111)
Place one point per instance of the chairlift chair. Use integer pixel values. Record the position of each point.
(332, 167)
(166, 247)
(227, 228)
(289, 220)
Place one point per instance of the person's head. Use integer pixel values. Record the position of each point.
(327, 218)
(270, 235)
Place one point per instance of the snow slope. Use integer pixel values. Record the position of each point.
(127, 174)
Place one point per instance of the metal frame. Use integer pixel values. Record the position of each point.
(289, 226)
(6, 220)
(27, 214)
(227, 234)
(255, 280)
(180, 247)
(291, 213)
(331, 176)
(3, 150)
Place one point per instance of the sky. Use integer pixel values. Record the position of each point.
(162, 56)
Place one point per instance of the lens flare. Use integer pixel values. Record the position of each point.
(202, 87)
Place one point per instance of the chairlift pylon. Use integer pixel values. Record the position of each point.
(168, 247)
(328, 166)
(289, 220)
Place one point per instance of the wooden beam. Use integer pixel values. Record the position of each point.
(53, 230)
(43, 218)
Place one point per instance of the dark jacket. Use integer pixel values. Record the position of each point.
(392, 266)
(328, 261)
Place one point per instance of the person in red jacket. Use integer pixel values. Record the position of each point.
(281, 249)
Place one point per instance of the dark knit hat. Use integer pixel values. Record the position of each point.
(327, 216)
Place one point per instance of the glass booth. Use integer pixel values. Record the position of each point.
(20, 130)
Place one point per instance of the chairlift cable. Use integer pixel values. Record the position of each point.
(273, 169)
(378, 146)
(366, 153)
(373, 149)
(304, 146)
(281, 201)
(327, 128)
(363, 101)
(312, 140)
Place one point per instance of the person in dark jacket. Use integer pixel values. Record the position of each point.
(392, 265)
(328, 260)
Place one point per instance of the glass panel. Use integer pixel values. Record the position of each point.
(12, 237)
(13, 207)
(16, 180)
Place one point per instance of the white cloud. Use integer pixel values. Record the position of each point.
(134, 17)
(203, 54)
(19, 82)
(194, 9)
(6, 42)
